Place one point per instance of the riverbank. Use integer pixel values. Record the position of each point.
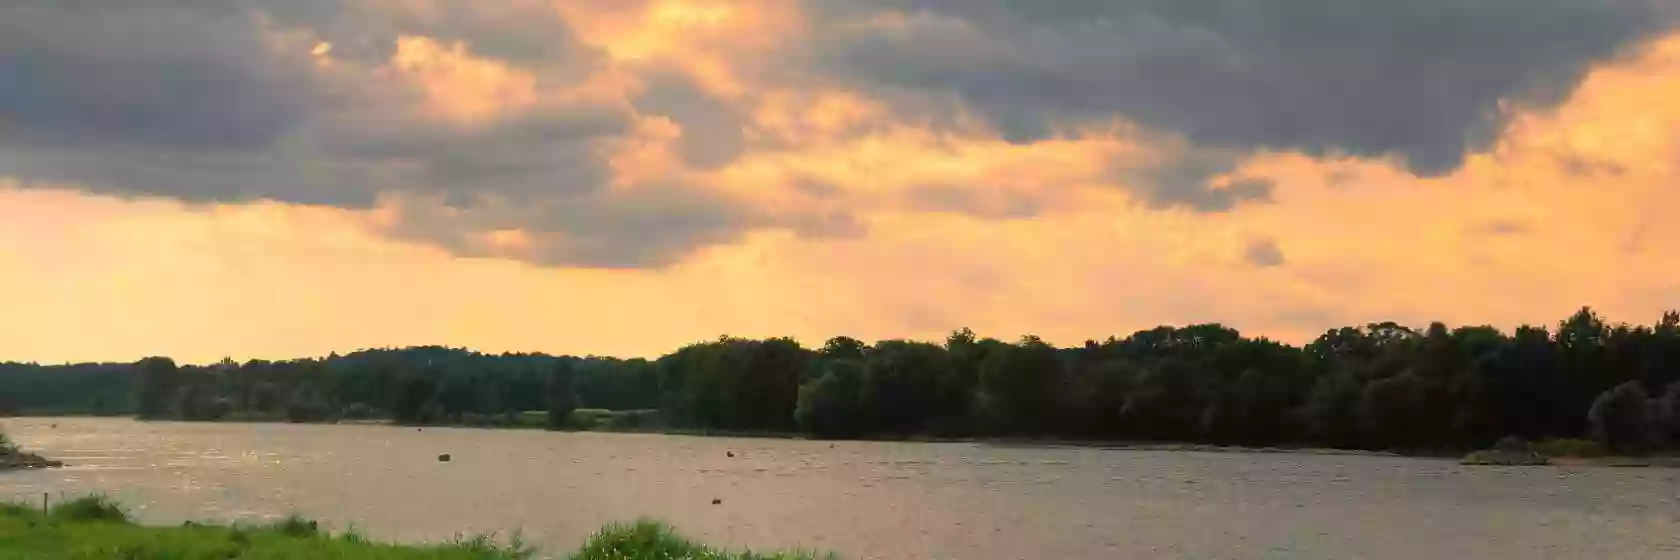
(12, 458)
(1563, 453)
(94, 528)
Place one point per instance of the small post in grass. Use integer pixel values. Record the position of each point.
(44, 504)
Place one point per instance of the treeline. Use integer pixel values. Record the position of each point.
(68, 389)
(421, 385)
(1380, 386)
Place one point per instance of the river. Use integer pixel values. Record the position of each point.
(865, 500)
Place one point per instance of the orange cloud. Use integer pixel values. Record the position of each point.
(459, 86)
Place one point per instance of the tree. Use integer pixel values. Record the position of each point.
(902, 385)
(562, 395)
(1665, 416)
(155, 380)
(1163, 402)
(414, 400)
(1332, 410)
(844, 348)
(1620, 418)
(829, 406)
(1095, 397)
(1382, 384)
(1396, 411)
(1252, 411)
(306, 404)
(1019, 381)
(768, 387)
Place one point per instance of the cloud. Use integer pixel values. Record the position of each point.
(1425, 80)
(491, 112)
(1500, 228)
(1001, 204)
(205, 82)
(647, 227)
(637, 134)
(1363, 241)
(712, 130)
(1199, 180)
(1264, 253)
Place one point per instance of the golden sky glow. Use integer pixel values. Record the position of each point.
(922, 229)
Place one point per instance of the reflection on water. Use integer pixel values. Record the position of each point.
(862, 499)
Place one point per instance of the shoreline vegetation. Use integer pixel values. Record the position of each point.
(1599, 388)
(96, 527)
(13, 458)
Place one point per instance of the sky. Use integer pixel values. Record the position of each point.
(286, 178)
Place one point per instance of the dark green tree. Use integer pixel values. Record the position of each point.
(1620, 419)
(562, 395)
(829, 406)
(154, 384)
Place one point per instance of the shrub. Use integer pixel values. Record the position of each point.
(1621, 418)
(296, 527)
(15, 510)
(1508, 451)
(533, 418)
(359, 411)
(97, 507)
(635, 419)
(1570, 448)
(650, 539)
(588, 418)
(829, 406)
(1513, 444)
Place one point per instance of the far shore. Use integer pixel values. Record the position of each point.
(1658, 461)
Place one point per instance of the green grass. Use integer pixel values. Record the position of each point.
(1570, 448)
(95, 527)
(647, 540)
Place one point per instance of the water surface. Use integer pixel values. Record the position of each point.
(865, 500)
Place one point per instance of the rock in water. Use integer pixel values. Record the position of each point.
(444, 458)
(729, 453)
(716, 501)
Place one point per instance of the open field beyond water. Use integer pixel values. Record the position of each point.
(861, 499)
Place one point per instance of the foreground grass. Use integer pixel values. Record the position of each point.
(647, 540)
(97, 528)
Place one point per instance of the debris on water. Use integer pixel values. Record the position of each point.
(716, 501)
(444, 458)
(729, 453)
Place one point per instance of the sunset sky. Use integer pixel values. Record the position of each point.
(287, 178)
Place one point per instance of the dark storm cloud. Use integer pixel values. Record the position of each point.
(75, 78)
(1421, 79)
(545, 152)
(644, 229)
(1187, 181)
(189, 99)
